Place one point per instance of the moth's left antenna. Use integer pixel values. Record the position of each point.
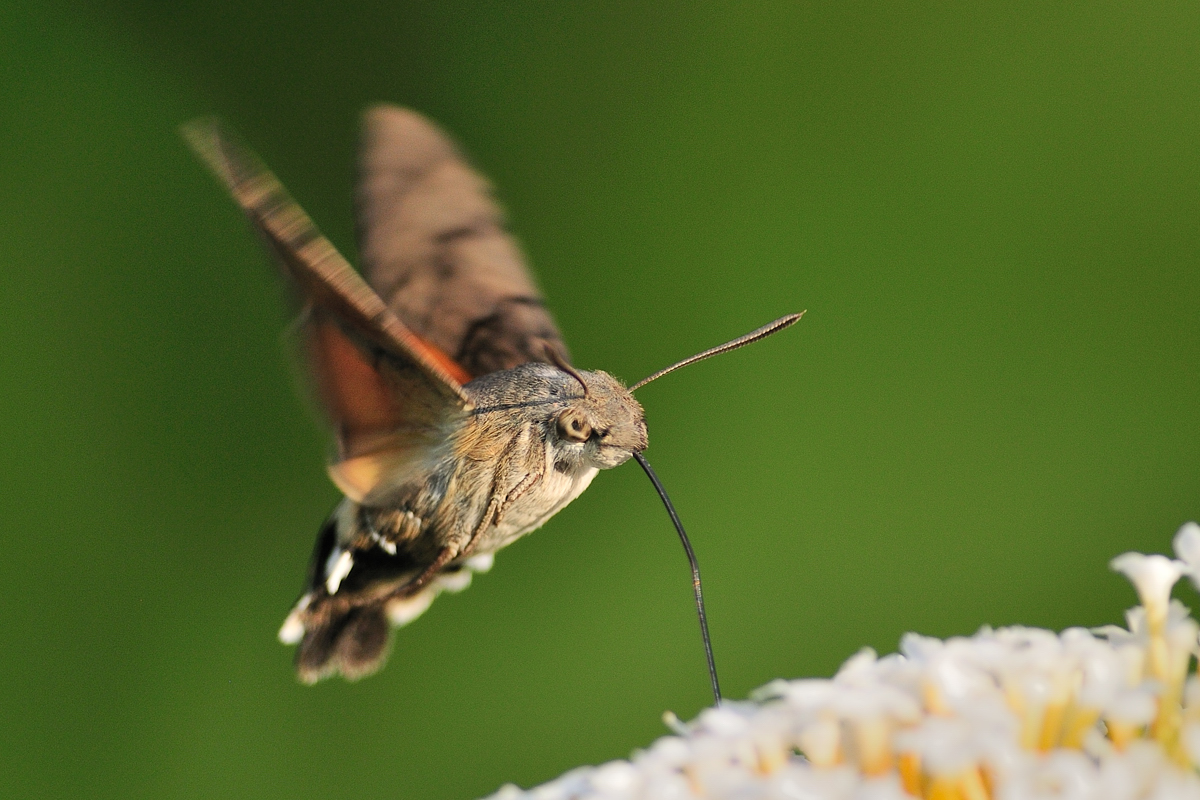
(691, 557)
(741, 341)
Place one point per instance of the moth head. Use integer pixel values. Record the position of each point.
(600, 424)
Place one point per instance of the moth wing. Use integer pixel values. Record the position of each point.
(390, 395)
(434, 246)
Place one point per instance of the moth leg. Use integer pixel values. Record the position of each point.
(495, 510)
(522, 487)
(428, 574)
(490, 516)
(515, 494)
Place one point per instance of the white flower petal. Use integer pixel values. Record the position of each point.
(1153, 576)
(1187, 546)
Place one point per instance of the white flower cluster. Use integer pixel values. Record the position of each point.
(1009, 714)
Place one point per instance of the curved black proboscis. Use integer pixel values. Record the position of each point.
(691, 556)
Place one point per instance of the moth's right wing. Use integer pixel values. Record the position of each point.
(390, 395)
(435, 247)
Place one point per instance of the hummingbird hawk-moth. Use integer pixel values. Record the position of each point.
(460, 424)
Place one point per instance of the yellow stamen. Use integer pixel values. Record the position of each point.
(972, 785)
(910, 773)
(941, 788)
(934, 702)
(1168, 725)
(1156, 657)
(1079, 721)
(1052, 725)
(989, 783)
(821, 742)
(1121, 733)
(771, 755)
(1165, 725)
(872, 740)
(1029, 716)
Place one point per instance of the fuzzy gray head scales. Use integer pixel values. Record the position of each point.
(602, 428)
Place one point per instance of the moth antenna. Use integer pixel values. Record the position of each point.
(741, 341)
(555, 356)
(691, 557)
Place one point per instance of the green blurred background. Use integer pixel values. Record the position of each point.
(990, 214)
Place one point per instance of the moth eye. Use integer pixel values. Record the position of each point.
(573, 427)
